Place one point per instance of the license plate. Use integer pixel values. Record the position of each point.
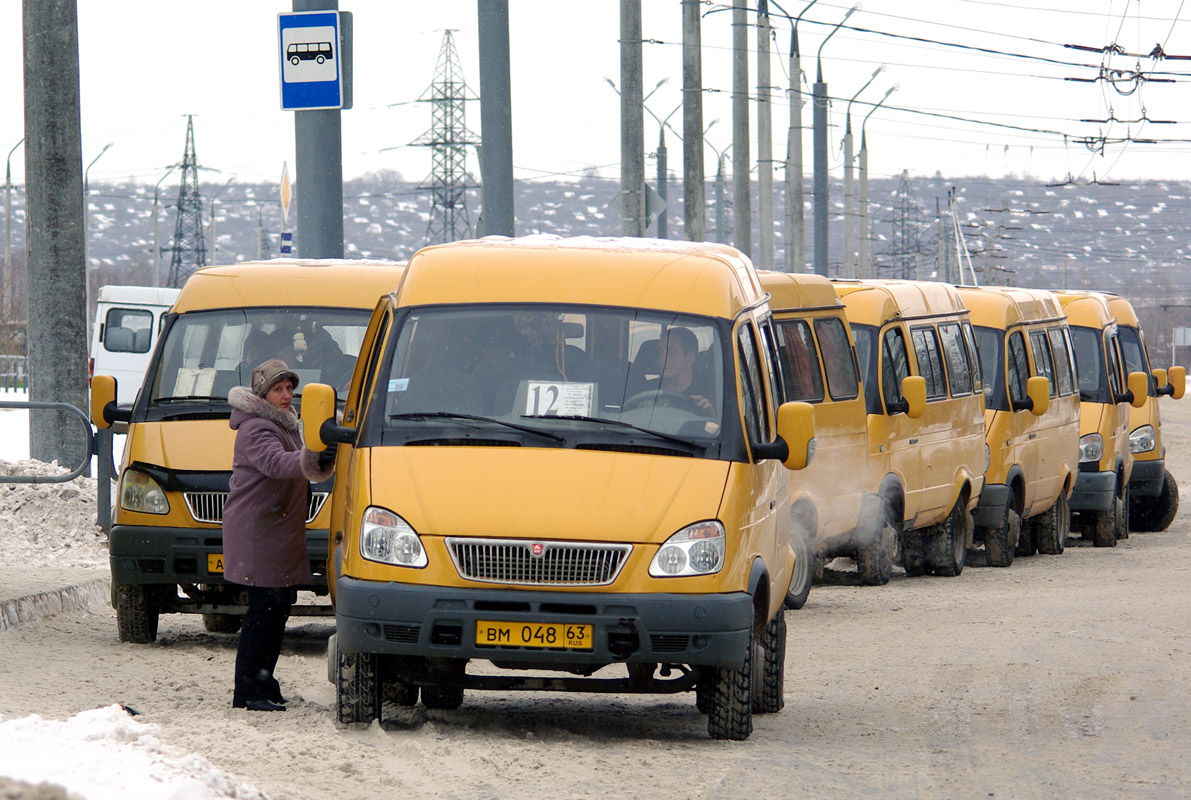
(214, 563)
(543, 635)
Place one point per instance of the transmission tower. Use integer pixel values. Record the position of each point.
(188, 250)
(908, 249)
(448, 140)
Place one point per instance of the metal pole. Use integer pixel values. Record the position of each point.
(632, 127)
(693, 192)
(849, 266)
(6, 279)
(663, 191)
(156, 242)
(215, 197)
(864, 267)
(87, 276)
(765, 255)
(742, 213)
(496, 118)
(820, 204)
(795, 193)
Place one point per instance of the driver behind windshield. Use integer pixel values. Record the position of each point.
(677, 371)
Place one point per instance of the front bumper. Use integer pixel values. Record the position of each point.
(440, 621)
(990, 512)
(1094, 491)
(1146, 478)
(141, 554)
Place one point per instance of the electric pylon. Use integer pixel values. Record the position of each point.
(907, 251)
(188, 250)
(448, 140)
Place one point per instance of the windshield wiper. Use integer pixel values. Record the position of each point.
(474, 418)
(187, 398)
(620, 424)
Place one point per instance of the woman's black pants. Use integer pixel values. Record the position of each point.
(260, 644)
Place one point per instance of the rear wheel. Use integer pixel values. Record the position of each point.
(730, 715)
(1050, 530)
(222, 623)
(947, 550)
(357, 688)
(1104, 525)
(136, 614)
(1000, 543)
(771, 698)
(874, 561)
(802, 577)
(1122, 520)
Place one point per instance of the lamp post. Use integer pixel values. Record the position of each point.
(721, 218)
(156, 242)
(863, 267)
(663, 179)
(819, 95)
(87, 230)
(795, 201)
(641, 221)
(849, 263)
(215, 197)
(6, 278)
(765, 257)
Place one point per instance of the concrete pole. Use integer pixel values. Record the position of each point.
(632, 123)
(863, 267)
(795, 200)
(663, 191)
(721, 219)
(156, 241)
(742, 210)
(6, 281)
(318, 139)
(940, 251)
(693, 192)
(496, 118)
(56, 334)
(819, 197)
(848, 267)
(765, 253)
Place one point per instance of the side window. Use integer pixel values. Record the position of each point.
(1017, 368)
(1112, 348)
(127, 330)
(752, 399)
(1042, 359)
(842, 380)
(955, 352)
(800, 362)
(930, 365)
(1062, 361)
(974, 358)
(895, 365)
(771, 364)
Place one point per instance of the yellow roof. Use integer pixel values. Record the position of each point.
(321, 283)
(1085, 309)
(791, 291)
(1002, 306)
(688, 277)
(875, 302)
(1123, 310)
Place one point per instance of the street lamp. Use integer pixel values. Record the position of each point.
(87, 229)
(156, 242)
(643, 219)
(663, 180)
(721, 219)
(819, 94)
(215, 197)
(849, 263)
(6, 278)
(863, 267)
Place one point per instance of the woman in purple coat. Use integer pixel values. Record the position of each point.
(264, 524)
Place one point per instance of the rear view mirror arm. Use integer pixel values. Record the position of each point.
(330, 432)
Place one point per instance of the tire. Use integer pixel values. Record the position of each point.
(222, 623)
(295, 60)
(874, 561)
(445, 698)
(136, 614)
(771, 697)
(320, 60)
(1050, 530)
(820, 566)
(1163, 511)
(947, 550)
(731, 713)
(914, 555)
(400, 693)
(803, 575)
(1027, 544)
(357, 689)
(704, 690)
(1000, 543)
(1122, 520)
(1104, 526)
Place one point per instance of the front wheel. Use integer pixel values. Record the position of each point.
(1052, 528)
(801, 578)
(357, 688)
(1155, 514)
(1104, 525)
(874, 560)
(947, 551)
(730, 715)
(771, 697)
(136, 614)
(1000, 543)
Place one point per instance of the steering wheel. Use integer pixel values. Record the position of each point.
(661, 397)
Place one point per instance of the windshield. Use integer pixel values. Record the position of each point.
(1089, 364)
(1135, 355)
(990, 343)
(570, 370)
(206, 353)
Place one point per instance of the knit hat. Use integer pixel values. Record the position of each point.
(266, 376)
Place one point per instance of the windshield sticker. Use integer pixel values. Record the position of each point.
(555, 399)
(398, 384)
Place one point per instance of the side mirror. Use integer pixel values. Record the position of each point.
(1139, 389)
(796, 427)
(318, 406)
(103, 403)
(1160, 380)
(914, 391)
(1177, 381)
(1038, 392)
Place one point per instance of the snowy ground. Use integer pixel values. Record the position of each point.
(111, 755)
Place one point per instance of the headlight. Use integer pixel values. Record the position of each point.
(139, 492)
(1091, 447)
(695, 550)
(987, 457)
(387, 538)
(1143, 440)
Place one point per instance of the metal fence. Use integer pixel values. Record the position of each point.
(12, 373)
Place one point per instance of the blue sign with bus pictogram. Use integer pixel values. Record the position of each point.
(310, 53)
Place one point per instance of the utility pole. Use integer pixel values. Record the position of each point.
(56, 336)
(765, 257)
(821, 207)
(795, 199)
(632, 122)
(742, 211)
(693, 193)
(864, 267)
(189, 249)
(849, 266)
(496, 119)
(6, 281)
(214, 238)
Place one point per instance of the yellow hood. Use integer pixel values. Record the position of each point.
(185, 445)
(531, 493)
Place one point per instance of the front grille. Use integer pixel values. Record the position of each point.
(555, 563)
(407, 634)
(208, 506)
(668, 643)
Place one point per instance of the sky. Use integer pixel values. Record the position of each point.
(145, 64)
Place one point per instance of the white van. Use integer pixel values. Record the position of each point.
(127, 322)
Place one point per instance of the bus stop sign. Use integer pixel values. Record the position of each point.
(310, 52)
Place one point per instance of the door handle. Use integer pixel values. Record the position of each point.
(1033, 435)
(772, 504)
(913, 441)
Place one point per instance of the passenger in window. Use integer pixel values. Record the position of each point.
(676, 365)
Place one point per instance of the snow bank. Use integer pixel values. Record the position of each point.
(50, 524)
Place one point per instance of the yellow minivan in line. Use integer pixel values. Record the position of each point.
(564, 455)
(1153, 492)
(837, 509)
(1100, 502)
(165, 544)
(924, 393)
(1031, 402)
